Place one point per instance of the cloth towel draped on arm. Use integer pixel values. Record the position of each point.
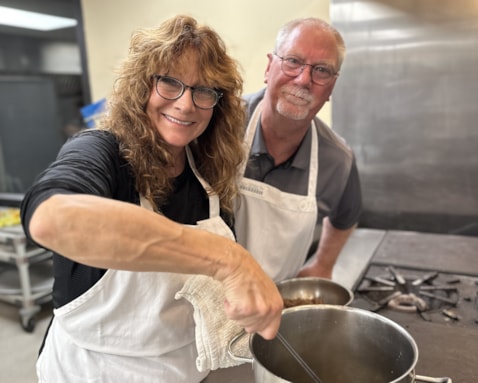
(214, 330)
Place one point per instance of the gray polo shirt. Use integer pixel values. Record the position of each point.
(338, 185)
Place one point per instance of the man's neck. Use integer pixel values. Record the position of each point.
(282, 137)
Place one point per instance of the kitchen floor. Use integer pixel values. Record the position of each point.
(19, 349)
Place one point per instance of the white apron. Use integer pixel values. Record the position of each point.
(277, 227)
(128, 327)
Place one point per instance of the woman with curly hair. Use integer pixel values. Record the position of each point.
(133, 208)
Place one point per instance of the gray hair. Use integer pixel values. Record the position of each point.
(287, 28)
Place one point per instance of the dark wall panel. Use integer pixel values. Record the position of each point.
(30, 130)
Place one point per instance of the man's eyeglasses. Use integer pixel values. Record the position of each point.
(321, 75)
(171, 88)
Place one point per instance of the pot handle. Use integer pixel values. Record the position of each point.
(237, 358)
(427, 379)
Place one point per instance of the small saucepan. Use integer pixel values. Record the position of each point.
(313, 290)
(341, 344)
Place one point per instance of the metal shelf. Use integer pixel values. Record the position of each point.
(26, 276)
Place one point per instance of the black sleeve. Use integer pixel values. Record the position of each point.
(87, 163)
(349, 208)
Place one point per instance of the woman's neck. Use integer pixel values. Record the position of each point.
(179, 158)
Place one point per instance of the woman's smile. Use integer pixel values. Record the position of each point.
(176, 121)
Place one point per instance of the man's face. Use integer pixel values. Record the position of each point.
(298, 98)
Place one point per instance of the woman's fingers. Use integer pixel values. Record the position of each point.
(254, 303)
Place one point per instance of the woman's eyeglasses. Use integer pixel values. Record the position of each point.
(171, 88)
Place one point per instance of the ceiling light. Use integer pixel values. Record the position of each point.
(33, 20)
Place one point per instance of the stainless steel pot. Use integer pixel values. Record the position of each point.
(315, 289)
(341, 344)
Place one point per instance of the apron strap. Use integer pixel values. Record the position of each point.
(314, 161)
(214, 205)
(250, 131)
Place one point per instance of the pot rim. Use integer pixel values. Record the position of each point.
(409, 373)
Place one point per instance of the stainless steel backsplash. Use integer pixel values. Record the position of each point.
(407, 102)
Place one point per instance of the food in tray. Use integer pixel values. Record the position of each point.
(291, 302)
(9, 217)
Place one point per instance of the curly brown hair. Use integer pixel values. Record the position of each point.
(218, 152)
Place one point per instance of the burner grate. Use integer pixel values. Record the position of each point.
(432, 295)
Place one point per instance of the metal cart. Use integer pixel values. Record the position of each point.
(26, 275)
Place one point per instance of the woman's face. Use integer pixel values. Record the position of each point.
(179, 121)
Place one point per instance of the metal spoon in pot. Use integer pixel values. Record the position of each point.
(298, 358)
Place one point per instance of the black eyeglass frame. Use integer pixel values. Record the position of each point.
(158, 77)
(301, 67)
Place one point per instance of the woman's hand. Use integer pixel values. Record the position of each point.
(252, 298)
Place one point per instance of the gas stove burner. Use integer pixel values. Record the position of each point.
(409, 292)
(408, 302)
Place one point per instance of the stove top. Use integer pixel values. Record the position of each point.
(428, 284)
(429, 296)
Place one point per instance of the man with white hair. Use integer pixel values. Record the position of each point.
(300, 173)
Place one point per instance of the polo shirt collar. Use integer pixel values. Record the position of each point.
(301, 158)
